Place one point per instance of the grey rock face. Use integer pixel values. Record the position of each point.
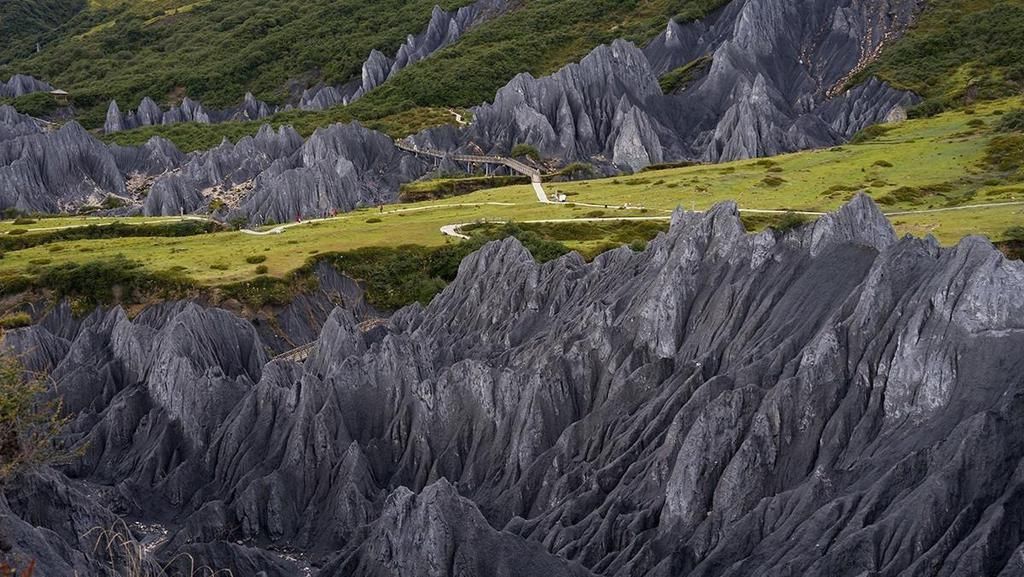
(772, 86)
(276, 176)
(157, 156)
(14, 124)
(444, 29)
(62, 170)
(829, 401)
(338, 168)
(56, 171)
(593, 108)
(150, 114)
(21, 84)
(229, 165)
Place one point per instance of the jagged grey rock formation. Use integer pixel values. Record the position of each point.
(229, 165)
(338, 168)
(827, 401)
(444, 29)
(21, 84)
(14, 124)
(157, 156)
(150, 114)
(272, 175)
(771, 83)
(56, 171)
(276, 176)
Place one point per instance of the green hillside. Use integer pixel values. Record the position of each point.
(25, 22)
(959, 51)
(216, 51)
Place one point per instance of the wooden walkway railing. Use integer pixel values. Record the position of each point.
(511, 163)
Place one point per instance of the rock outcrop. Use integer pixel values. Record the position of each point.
(827, 401)
(14, 124)
(276, 176)
(229, 165)
(56, 171)
(337, 169)
(149, 114)
(444, 29)
(767, 77)
(21, 84)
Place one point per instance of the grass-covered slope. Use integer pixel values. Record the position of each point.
(216, 51)
(950, 175)
(23, 23)
(959, 51)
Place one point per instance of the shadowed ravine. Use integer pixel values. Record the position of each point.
(829, 401)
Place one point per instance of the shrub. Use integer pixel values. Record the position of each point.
(789, 221)
(579, 171)
(1004, 152)
(682, 77)
(115, 279)
(773, 181)
(15, 321)
(976, 123)
(1012, 121)
(873, 132)
(525, 150)
(927, 109)
(256, 259)
(111, 202)
(262, 269)
(29, 425)
(21, 220)
(883, 164)
(115, 230)
(219, 266)
(16, 231)
(1015, 233)
(373, 220)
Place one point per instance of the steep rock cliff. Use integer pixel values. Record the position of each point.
(149, 114)
(832, 400)
(767, 77)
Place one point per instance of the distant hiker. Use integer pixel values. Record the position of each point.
(298, 217)
(381, 207)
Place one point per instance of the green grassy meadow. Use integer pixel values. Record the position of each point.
(920, 165)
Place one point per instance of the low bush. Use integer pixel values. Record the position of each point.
(256, 258)
(15, 321)
(262, 269)
(1005, 152)
(1012, 121)
(29, 427)
(106, 281)
(112, 202)
(373, 220)
(873, 132)
(525, 151)
(21, 220)
(882, 164)
(114, 230)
